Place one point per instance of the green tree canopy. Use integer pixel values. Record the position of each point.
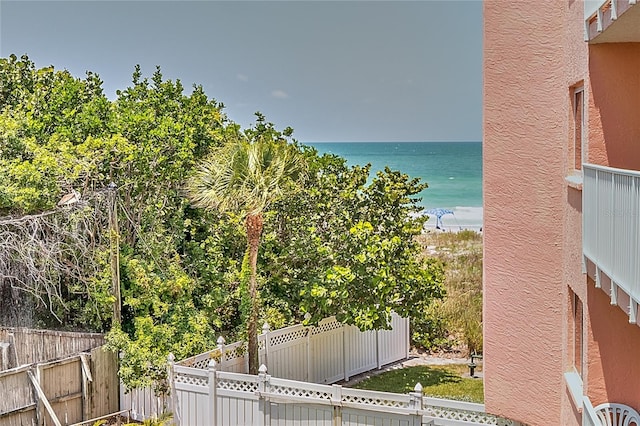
(345, 247)
(342, 244)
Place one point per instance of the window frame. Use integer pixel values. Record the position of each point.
(578, 118)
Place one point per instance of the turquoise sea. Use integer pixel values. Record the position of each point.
(453, 171)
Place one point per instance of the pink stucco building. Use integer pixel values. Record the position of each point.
(562, 208)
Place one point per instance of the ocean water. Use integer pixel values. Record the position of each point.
(453, 171)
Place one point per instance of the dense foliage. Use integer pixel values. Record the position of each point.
(345, 247)
(342, 246)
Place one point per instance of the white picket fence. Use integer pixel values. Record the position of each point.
(328, 353)
(211, 397)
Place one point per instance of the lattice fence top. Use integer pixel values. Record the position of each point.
(293, 335)
(467, 416)
(234, 352)
(191, 379)
(237, 385)
(326, 326)
(299, 392)
(376, 401)
(201, 361)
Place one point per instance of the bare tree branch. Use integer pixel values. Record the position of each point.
(42, 254)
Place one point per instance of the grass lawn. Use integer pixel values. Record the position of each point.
(440, 381)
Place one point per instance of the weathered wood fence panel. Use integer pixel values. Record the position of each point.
(62, 383)
(104, 390)
(62, 392)
(17, 401)
(27, 346)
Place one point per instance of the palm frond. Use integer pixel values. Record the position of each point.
(246, 176)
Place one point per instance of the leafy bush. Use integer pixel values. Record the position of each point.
(429, 329)
(459, 314)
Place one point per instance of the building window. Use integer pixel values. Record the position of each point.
(578, 137)
(577, 332)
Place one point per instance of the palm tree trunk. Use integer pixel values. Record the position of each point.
(253, 224)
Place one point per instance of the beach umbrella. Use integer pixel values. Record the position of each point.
(438, 213)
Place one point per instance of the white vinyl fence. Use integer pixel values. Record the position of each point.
(328, 353)
(213, 389)
(210, 397)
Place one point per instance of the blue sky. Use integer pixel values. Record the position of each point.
(332, 70)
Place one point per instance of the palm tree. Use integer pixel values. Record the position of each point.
(247, 176)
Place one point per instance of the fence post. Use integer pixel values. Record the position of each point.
(12, 344)
(310, 376)
(345, 353)
(213, 393)
(265, 331)
(175, 407)
(416, 403)
(407, 343)
(378, 349)
(263, 403)
(336, 402)
(221, 343)
(309, 355)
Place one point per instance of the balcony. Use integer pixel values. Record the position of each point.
(611, 232)
(612, 21)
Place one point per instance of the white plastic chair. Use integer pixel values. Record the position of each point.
(611, 414)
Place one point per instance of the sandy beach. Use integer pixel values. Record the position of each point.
(463, 218)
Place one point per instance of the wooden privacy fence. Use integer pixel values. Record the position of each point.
(20, 346)
(60, 392)
(211, 397)
(328, 353)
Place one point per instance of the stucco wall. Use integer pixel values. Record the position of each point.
(525, 138)
(576, 73)
(614, 126)
(614, 345)
(533, 54)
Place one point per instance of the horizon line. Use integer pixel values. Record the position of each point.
(366, 141)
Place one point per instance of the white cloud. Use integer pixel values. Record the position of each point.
(279, 94)
(242, 77)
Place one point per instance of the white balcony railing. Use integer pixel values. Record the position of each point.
(600, 15)
(611, 228)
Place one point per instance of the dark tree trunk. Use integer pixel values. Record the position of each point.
(253, 224)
